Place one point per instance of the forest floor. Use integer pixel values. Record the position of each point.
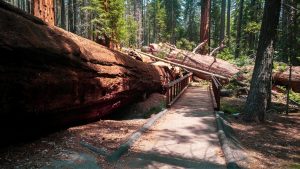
(64, 149)
(273, 144)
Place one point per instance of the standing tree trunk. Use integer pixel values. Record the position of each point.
(70, 16)
(138, 18)
(57, 13)
(44, 9)
(260, 89)
(294, 34)
(228, 22)
(222, 30)
(75, 19)
(253, 18)
(239, 29)
(63, 14)
(204, 25)
(284, 34)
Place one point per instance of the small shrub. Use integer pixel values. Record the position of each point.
(242, 61)
(185, 44)
(226, 55)
(279, 66)
(295, 96)
(229, 109)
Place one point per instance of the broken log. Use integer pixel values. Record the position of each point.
(282, 78)
(207, 63)
(200, 62)
(51, 77)
(194, 70)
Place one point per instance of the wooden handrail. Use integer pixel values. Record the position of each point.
(178, 80)
(176, 88)
(216, 88)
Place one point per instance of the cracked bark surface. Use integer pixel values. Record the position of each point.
(51, 77)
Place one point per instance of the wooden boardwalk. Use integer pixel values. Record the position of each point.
(185, 137)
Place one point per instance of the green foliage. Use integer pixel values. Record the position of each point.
(295, 96)
(173, 13)
(161, 54)
(279, 66)
(227, 108)
(294, 166)
(156, 28)
(227, 55)
(131, 29)
(185, 44)
(154, 110)
(243, 60)
(160, 20)
(191, 18)
(108, 18)
(252, 27)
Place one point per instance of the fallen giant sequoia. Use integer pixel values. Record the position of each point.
(52, 77)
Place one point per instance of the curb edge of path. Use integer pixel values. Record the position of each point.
(230, 146)
(113, 157)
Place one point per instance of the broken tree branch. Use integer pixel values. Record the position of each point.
(212, 53)
(199, 46)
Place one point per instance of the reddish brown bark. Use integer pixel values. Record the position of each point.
(204, 25)
(44, 9)
(282, 78)
(51, 77)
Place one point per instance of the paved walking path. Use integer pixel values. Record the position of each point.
(185, 137)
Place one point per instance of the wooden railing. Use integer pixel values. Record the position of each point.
(176, 88)
(216, 89)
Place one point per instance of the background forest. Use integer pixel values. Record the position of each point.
(248, 50)
(137, 23)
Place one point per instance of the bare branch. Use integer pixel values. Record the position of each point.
(200, 46)
(212, 53)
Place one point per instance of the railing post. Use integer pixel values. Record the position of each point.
(168, 96)
(218, 98)
(173, 92)
(216, 87)
(176, 87)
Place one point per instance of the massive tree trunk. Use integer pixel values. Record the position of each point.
(44, 9)
(260, 89)
(239, 29)
(50, 77)
(204, 25)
